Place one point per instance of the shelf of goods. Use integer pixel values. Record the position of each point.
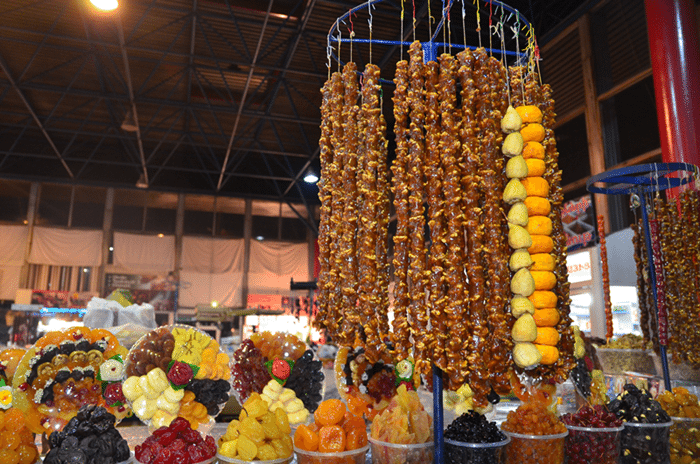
(666, 245)
(481, 294)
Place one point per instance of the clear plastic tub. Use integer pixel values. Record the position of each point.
(225, 459)
(619, 360)
(646, 443)
(390, 453)
(586, 445)
(458, 452)
(684, 437)
(535, 449)
(356, 456)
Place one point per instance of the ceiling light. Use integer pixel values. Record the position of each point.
(259, 238)
(129, 124)
(141, 183)
(161, 235)
(310, 177)
(214, 304)
(105, 5)
(111, 248)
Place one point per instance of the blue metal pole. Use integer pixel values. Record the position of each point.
(439, 457)
(652, 278)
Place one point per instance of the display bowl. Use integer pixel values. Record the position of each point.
(600, 445)
(65, 370)
(356, 456)
(535, 449)
(391, 453)
(615, 361)
(221, 458)
(177, 370)
(459, 452)
(684, 437)
(250, 373)
(646, 443)
(681, 371)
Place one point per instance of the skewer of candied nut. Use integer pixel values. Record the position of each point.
(348, 243)
(500, 321)
(637, 240)
(402, 330)
(452, 319)
(473, 346)
(436, 213)
(417, 272)
(331, 315)
(325, 195)
(606, 278)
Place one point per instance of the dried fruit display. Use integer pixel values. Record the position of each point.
(594, 436)
(473, 428)
(248, 370)
(278, 345)
(306, 379)
(278, 397)
(404, 421)
(258, 434)
(177, 371)
(88, 438)
(684, 410)
(176, 444)
(9, 360)
(334, 430)
(66, 370)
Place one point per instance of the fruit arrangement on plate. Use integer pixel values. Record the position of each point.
(177, 371)
(66, 370)
(9, 360)
(17, 444)
(366, 387)
(280, 368)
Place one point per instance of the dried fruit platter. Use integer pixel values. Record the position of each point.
(66, 370)
(177, 371)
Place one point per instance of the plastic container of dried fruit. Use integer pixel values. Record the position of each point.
(204, 427)
(650, 441)
(356, 456)
(467, 453)
(684, 437)
(620, 360)
(590, 444)
(393, 453)
(535, 449)
(222, 458)
(681, 371)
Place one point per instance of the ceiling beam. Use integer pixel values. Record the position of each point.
(245, 93)
(20, 94)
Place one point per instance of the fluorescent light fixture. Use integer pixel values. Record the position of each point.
(214, 304)
(105, 5)
(310, 177)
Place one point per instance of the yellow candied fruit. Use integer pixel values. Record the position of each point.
(251, 429)
(266, 453)
(269, 425)
(282, 421)
(246, 448)
(228, 448)
(255, 406)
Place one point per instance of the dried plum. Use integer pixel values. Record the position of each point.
(88, 438)
(306, 380)
(472, 427)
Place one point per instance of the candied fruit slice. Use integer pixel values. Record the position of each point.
(353, 422)
(251, 429)
(355, 439)
(228, 448)
(330, 412)
(255, 407)
(246, 449)
(305, 438)
(266, 453)
(269, 425)
(282, 421)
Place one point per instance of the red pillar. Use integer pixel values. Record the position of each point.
(675, 64)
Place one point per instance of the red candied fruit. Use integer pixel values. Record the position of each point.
(180, 373)
(176, 444)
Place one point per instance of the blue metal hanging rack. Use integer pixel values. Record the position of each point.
(643, 179)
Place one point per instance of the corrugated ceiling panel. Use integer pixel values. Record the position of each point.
(562, 70)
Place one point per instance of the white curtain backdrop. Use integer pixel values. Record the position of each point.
(212, 270)
(138, 253)
(14, 240)
(63, 247)
(274, 264)
(211, 255)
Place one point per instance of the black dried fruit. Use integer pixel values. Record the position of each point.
(55, 439)
(121, 451)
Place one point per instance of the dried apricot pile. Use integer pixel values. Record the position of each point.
(685, 433)
(278, 345)
(258, 434)
(534, 418)
(334, 430)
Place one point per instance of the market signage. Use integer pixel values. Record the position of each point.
(579, 267)
(578, 219)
